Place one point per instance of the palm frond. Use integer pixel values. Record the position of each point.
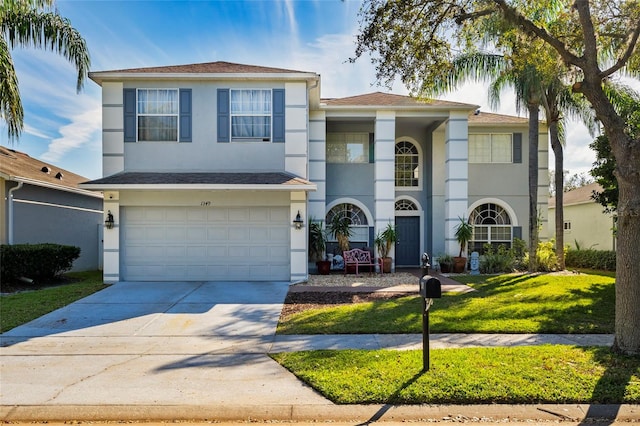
(47, 30)
(11, 111)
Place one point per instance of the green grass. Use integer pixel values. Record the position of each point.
(20, 308)
(516, 375)
(501, 304)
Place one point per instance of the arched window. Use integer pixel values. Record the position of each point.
(491, 225)
(357, 217)
(405, 205)
(407, 165)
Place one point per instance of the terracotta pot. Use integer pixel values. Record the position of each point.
(324, 267)
(459, 264)
(386, 264)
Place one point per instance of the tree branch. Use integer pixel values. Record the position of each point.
(633, 41)
(512, 15)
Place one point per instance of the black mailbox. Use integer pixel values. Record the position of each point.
(430, 287)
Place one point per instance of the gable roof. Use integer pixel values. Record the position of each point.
(580, 195)
(378, 99)
(20, 167)
(212, 69)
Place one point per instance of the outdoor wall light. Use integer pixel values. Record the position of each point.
(297, 222)
(108, 223)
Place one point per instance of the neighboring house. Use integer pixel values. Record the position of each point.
(206, 167)
(585, 223)
(41, 203)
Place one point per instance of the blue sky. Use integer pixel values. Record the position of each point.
(63, 127)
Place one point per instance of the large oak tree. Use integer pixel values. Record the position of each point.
(416, 41)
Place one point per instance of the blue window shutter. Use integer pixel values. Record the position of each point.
(517, 232)
(278, 115)
(185, 115)
(372, 152)
(129, 108)
(517, 147)
(224, 121)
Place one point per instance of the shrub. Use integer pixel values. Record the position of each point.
(546, 256)
(494, 261)
(36, 261)
(604, 260)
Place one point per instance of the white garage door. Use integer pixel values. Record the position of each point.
(206, 244)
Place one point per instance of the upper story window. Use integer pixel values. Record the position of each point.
(157, 115)
(407, 165)
(251, 115)
(348, 148)
(491, 148)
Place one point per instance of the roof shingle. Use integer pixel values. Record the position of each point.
(16, 164)
(219, 67)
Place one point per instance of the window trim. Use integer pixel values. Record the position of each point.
(177, 115)
(421, 170)
(268, 139)
(491, 134)
(363, 209)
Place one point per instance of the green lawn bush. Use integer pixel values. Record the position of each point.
(604, 260)
(36, 261)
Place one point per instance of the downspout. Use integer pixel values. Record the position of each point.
(10, 213)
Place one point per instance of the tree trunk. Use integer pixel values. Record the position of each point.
(533, 184)
(627, 154)
(559, 184)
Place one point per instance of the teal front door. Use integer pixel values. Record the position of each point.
(408, 244)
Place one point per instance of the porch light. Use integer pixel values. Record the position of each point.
(108, 223)
(297, 222)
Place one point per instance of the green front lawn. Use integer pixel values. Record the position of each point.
(502, 304)
(20, 308)
(517, 375)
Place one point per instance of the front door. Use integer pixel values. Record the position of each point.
(408, 243)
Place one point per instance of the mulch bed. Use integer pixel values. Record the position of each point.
(299, 302)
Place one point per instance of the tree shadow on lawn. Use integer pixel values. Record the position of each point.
(386, 407)
(609, 393)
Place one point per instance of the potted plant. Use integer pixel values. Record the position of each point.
(317, 246)
(446, 262)
(464, 232)
(384, 241)
(340, 229)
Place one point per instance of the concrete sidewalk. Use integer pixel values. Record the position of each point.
(292, 343)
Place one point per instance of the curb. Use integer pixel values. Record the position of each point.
(322, 412)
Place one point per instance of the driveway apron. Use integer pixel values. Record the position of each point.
(164, 343)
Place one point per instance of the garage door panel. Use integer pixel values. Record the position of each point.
(206, 244)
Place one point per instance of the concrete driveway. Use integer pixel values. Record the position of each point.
(153, 344)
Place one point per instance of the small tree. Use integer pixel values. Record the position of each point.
(340, 229)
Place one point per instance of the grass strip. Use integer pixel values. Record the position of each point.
(546, 303)
(20, 308)
(515, 375)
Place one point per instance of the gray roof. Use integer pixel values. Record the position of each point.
(199, 178)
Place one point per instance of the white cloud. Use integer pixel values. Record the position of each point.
(84, 129)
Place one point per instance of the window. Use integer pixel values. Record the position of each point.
(251, 115)
(567, 226)
(491, 225)
(407, 165)
(357, 217)
(490, 148)
(347, 147)
(157, 115)
(406, 205)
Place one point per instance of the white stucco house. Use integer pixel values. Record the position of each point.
(206, 167)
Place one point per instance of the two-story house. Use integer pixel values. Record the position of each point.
(207, 168)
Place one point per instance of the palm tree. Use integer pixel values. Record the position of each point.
(34, 23)
(527, 83)
(559, 98)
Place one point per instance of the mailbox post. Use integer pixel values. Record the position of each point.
(430, 288)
